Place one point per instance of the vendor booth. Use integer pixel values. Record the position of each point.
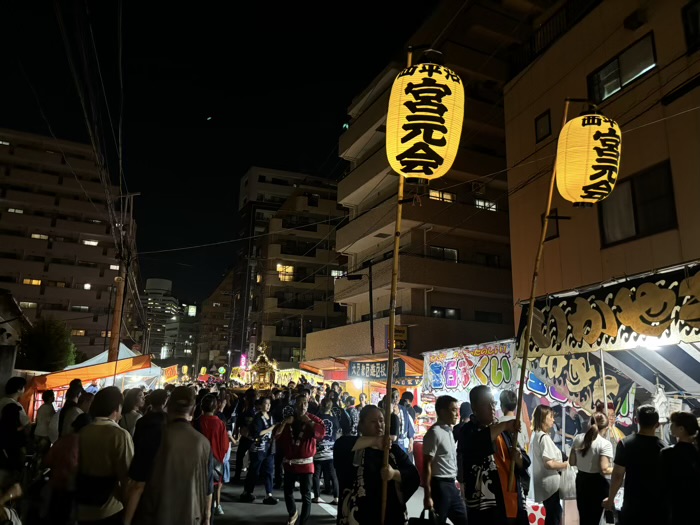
(131, 369)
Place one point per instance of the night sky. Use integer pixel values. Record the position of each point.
(276, 78)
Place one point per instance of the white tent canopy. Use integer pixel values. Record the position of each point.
(124, 353)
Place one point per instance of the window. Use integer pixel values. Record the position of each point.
(543, 126)
(87, 286)
(32, 282)
(78, 333)
(286, 273)
(40, 236)
(622, 70)
(89, 242)
(4, 143)
(483, 204)
(488, 317)
(452, 313)
(445, 313)
(216, 305)
(313, 199)
(691, 25)
(27, 305)
(15, 210)
(640, 206)
(446, 254)
(114, 267)
(258, 278)
(337, 273)
(444, 196)
(104, 333)
(80, 308)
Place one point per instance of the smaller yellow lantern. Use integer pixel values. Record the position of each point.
(203, 371)
(184, 370)
(588, 158)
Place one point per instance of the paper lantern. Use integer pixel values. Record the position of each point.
(222, 370)
(184, 369)
(588, 158)
(203, 371)
(424, 121)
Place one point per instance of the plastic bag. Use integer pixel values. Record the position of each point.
(567, 484)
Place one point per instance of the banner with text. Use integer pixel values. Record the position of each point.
(462, 368)
(375, 371)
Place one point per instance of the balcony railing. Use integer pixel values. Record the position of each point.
(570, 14)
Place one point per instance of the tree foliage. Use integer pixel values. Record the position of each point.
(46, 346)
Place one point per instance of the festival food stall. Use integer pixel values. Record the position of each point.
(128, 366)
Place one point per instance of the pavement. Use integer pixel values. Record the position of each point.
(259, 514)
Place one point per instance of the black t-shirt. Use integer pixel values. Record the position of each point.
(640, 455)
(147, 437)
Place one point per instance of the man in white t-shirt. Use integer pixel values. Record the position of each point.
(440, 465)
(14, 388)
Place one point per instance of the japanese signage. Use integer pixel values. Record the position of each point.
(424, 121)
(400, 337)
(651, 311)
(459, 369)
(170, 373)
(576, 378)
(588, 158)
(376, 371)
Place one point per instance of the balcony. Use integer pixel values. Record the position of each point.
(16, 267)
(354, 188)
(30, 198)
(424, 272)
(83, 227)
(369, 229)
(26, 221)
(570, 14)
(92, 209)
(361, 132)
(21, 243)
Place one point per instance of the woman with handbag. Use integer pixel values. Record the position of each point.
(215, 431)
(546, 464)
(592, 454)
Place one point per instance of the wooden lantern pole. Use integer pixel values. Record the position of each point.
(392, 327)
(531, 304)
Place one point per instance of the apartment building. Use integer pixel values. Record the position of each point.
(263, 192)
(57, 249)
(161, 308)
(639, 64)
(299, 266)
(181, 332)
(454, 269)
(215, 324)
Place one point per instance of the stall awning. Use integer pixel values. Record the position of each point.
(91, 373)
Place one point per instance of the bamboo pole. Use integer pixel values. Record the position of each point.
(392, 328)
(531, 305)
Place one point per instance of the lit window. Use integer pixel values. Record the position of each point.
(88, 242)
(87, 286)
(444, 196)
(27, 305)
(286, 273)
(4, 143)
(483, 204)
(106, 334)
(216, 304)
(79, 333)
(114, 267)
(39, 236)
(15, 210)
(337, 273)
(628, 66)
(258, 279)
(33, 282)
(80, 308)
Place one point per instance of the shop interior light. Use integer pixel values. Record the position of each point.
(357, 383)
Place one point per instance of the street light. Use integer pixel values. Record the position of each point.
(358, 277)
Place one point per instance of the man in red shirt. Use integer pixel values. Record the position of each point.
(296, 438)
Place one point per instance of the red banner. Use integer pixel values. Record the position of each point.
(170, 373)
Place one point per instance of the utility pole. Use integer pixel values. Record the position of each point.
(369, 264)
(120, 281)
(301, 338)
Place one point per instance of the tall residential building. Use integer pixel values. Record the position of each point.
(181, 334)
(297, 269)
(640, 67)
(215, 320)
(161, 307)
(262, 193)
(57, 247)
(454, 269)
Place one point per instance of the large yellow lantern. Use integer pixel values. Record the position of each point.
(588, 158)
(424, 121)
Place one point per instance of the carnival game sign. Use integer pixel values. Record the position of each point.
(577, 378)
(375, 371)
(659, 310)
(466, 367)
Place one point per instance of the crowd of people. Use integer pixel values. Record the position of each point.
(162, 457)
